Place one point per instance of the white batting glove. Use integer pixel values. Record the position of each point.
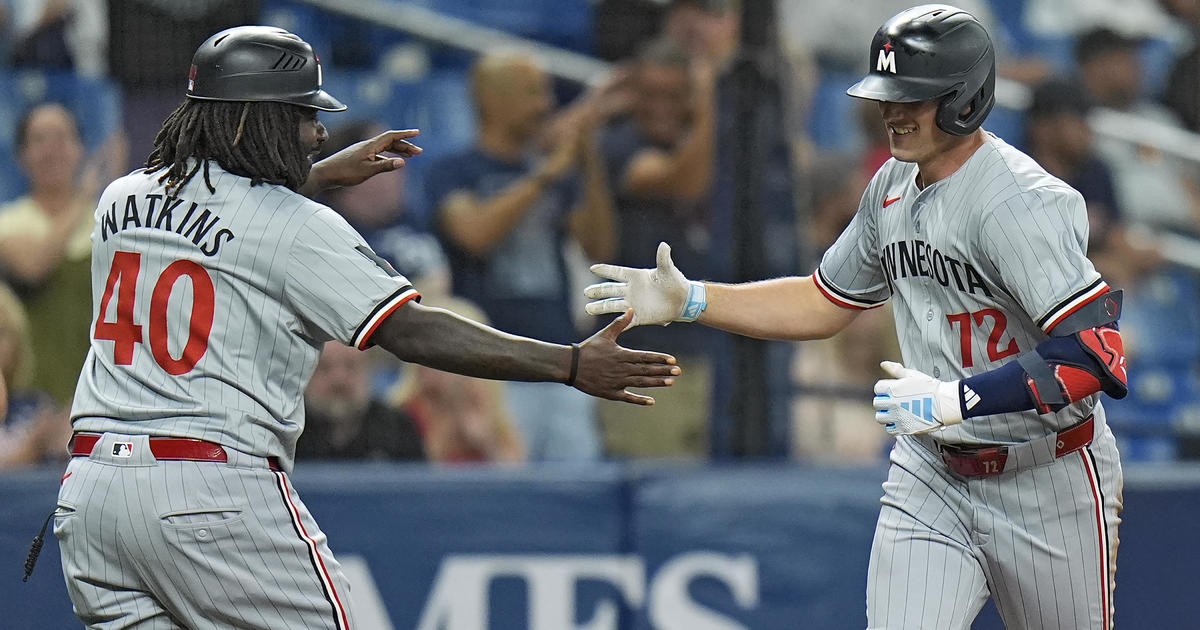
(657, 296)
(913, 402)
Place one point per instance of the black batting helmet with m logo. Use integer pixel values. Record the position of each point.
(934, 52)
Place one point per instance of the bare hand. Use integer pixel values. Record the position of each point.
(563, 156)
(361, 161)
(606, 369)
(615, 95)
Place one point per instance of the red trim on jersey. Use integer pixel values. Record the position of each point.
(339, 610)
(1089, 466)
(365, 342)
(840, 301)
(1077, 304)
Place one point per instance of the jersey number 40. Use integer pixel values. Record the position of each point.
(124, 332)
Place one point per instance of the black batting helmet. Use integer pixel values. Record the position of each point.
(934, 52)
(259, 63)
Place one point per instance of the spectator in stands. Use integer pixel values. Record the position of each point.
(710, 31)
(660, 161)
(1151, 188)
(45, 243)
(33, 429)
(1057, 135)
(461, 419)
(376, 207)
(344, 421)
(1182, 93)
(59, 35)
(504, 213)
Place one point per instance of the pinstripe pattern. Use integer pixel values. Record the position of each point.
(289, 280)
(997, 249)
(1040, 541)
(152, 544)
(318, 563)
(1021, 230)
(199, 545)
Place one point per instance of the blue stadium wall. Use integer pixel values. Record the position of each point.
(618, 547)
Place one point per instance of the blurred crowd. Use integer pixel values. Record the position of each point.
(556, 177)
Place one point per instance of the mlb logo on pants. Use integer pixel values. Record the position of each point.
(122, 449)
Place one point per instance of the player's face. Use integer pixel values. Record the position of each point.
(912, 131)
(312, 133)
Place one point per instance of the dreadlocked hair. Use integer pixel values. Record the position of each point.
(257, 140)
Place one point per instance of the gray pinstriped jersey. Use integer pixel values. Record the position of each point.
(979, 266)
(215, 306)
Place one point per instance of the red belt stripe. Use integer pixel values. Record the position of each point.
(165, 448)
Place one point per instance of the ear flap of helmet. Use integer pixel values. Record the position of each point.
(963, 110)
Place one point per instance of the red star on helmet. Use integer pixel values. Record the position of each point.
(887, 46)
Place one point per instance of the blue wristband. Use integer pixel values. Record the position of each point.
(696, 303)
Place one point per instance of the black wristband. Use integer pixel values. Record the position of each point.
(574, 365)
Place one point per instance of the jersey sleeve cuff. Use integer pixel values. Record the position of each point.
(362, 337)
(839, 297)
(1065, 308)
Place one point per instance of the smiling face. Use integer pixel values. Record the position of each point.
(912, 131)
(913, 136)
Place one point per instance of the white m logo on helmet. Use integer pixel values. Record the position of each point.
(886, 61)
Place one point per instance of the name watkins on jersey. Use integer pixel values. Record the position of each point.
(916, 258)
(160, 213)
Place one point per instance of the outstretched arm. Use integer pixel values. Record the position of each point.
(784, 308)
(361, 161)
(446, 341)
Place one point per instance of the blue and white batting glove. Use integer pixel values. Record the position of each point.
(657, 296)
(913, 402)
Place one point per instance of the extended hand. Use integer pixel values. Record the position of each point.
(913, 402)
(360, 161)
(606, 369)
(657, 296)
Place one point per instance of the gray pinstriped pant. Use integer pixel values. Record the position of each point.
(200, 545)
(1041, 541)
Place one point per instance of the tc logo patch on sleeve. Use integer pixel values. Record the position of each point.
(378, 260)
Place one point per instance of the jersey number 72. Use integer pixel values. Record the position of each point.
(124, 332)
(999, 323)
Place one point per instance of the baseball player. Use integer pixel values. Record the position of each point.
(1005, 480)
(216, 281)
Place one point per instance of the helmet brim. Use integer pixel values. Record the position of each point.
(895, 89)
(321, 100)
